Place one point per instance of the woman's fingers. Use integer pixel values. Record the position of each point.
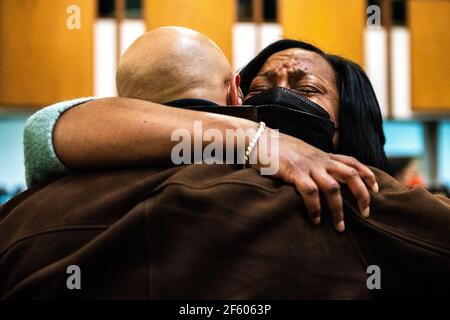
(365, 173)
(351, 177)
(332, 192)
(315, 173)
(310, 194)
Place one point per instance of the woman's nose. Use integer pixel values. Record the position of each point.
(282, 78)
(282, 82)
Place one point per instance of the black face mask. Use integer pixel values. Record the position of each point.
(295, 115)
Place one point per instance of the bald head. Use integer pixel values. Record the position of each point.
(171, 63)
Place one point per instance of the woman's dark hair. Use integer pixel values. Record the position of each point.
(360, 121)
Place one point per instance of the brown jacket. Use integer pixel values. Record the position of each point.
(215, 231)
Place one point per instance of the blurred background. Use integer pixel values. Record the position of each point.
(404, 46)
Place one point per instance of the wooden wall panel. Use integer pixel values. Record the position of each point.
(429, 22)
(41, 60)
(214, 18)
(334, 26)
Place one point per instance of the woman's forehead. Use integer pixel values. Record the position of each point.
(295, 58)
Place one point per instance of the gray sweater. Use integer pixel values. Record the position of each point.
(41, 160)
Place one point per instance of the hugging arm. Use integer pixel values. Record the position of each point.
(124, 132)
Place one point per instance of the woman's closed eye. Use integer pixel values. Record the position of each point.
(308, 90)
(257, 90)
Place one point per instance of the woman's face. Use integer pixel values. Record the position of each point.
(303, 71)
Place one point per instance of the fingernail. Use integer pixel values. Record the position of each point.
(375, 187)
(340, 227)
(366, 212)
(317, 221)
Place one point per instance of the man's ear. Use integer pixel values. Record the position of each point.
(235, 94)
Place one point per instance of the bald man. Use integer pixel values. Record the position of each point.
(174, 65)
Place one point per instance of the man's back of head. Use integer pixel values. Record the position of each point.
(171, 63)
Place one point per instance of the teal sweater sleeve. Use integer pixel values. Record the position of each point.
(41, 161)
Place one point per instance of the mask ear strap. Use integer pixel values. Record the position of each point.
(240, 93)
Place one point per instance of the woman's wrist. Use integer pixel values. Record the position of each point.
(267, 150)
(236, 132)
(235, 135)
(251, 151)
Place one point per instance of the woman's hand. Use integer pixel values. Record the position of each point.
(313, 171)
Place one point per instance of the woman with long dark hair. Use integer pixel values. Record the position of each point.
(359, 122)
